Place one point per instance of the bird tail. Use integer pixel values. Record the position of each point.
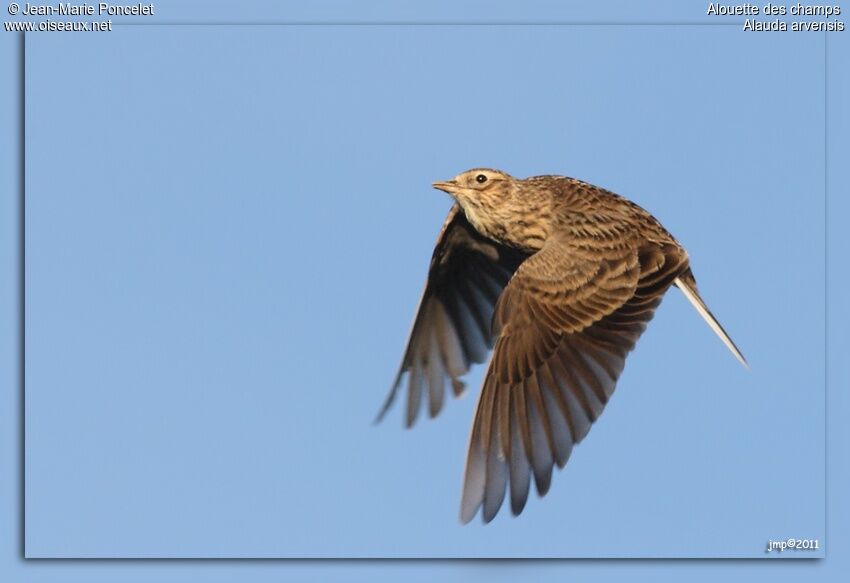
(688, 285)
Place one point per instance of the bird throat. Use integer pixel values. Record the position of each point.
(497, 224)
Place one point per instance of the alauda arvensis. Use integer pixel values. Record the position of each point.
(563, 276)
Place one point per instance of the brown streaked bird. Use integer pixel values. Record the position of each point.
(563, 277)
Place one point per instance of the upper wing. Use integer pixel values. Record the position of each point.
(566, 322)
(452, 325)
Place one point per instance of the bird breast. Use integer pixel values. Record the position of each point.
(524, 229)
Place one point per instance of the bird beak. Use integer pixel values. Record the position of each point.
(449, 186)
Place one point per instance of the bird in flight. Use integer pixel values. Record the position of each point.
(559, 278)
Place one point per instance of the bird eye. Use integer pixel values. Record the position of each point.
(480, 179)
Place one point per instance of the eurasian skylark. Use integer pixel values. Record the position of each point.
(563, 277)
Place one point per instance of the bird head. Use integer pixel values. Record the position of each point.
(501, 207)
(481, 185)
(487, 197)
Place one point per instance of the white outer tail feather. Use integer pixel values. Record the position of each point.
(706, 314)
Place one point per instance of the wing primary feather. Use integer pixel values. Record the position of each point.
(503, 408)
(474, 476)
(520, 476)
(559, 430)
(494, 487)
(436, 374)
(540, 455)
(421, 305)
(451, 350)
(551, 384)
(414, 391)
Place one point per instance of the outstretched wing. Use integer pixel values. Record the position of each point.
(565, 324)
(451, 329)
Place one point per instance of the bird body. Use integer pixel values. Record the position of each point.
(560, 278)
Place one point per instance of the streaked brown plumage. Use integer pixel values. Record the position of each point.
(569, 274)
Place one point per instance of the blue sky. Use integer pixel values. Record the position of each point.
(201, 368)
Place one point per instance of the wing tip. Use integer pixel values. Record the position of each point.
(468, 512)
(388, 401)
(380, 416)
